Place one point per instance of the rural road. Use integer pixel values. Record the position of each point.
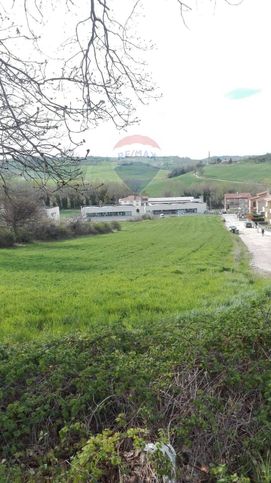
(258, 245)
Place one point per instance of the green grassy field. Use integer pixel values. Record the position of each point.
(149, 270)
(249, 172)
(157, 333)
(64, 214)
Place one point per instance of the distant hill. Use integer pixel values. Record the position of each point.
(227, 157)
(151, 175)
(165, 162)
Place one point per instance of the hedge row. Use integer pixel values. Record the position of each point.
(51, 232)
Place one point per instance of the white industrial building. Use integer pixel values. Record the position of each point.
(134, 206)
(109, 213)
(175, 200)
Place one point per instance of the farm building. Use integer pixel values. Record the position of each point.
(134, 206)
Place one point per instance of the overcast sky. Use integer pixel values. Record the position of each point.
(215, 77)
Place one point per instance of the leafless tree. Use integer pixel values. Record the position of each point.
(47, 102)
(21, 207)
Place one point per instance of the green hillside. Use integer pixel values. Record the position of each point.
(246, 171)
(105, 172)
(139, 174)
(161, 185)
(136, 175)
(149, 177)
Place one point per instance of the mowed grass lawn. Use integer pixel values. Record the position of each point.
(150, 270)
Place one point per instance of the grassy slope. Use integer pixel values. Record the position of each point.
(136, 175)
(149, 271)
(162, 185)
(246, 171)
(104, 171)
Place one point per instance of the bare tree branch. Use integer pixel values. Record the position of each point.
(47, 102)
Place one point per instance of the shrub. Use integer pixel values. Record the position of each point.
(48, 231)
(103, 227)
(146, 216)
(51, 231)
(78, 228)
(116, 225)
(7, 238)
(92, 230)
(25, 235)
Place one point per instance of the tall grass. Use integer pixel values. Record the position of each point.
(147, 272)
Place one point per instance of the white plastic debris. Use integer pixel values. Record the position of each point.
(169, 452)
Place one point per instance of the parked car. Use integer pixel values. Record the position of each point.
(248, 224)
(234, 229)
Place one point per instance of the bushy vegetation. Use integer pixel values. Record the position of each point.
(180, 171)
(46, 231)
(81, 408)
(7, 238)
(52, 231)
